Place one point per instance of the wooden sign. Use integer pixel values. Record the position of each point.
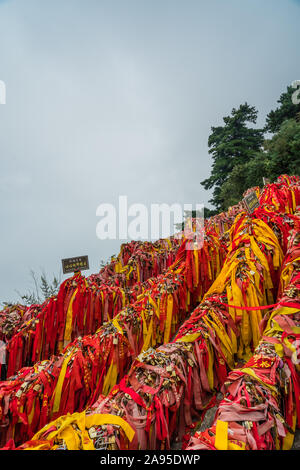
(251, 202)
(71, 265)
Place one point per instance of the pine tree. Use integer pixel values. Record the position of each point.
(230, 145)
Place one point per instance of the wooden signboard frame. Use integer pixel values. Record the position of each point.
(77, 263)
(251, 202)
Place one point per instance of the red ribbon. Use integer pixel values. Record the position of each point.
(264, 307)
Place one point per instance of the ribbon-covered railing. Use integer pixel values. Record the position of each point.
(92, 365)
(83, 304)
(138, 261)
(166, 388)
(48, 386)
(261, 405)
(281, 196)
(11, 318)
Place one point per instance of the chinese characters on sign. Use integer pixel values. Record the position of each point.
(75, 264)
(251, 202)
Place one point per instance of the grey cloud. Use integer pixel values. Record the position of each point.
(110, 98)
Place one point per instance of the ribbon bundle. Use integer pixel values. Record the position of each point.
(11, 318)
(91, 365)
(261, 406)
(282, 196)
(165, 389)
(82, 304)
(138, 261)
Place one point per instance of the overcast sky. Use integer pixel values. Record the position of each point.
(109, 98)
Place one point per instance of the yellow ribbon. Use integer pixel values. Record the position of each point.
(66, 432)
(69, 319)
(61, 378)
(169, 318)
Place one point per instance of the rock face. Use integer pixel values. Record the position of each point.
(296, 445)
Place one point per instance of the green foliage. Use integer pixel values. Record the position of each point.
(209, 212)
(231, 145)
(286, 110)
(241, 158)
(42, 289)
(233, 187)
(283, 150)
(49, 288)
(243, 177)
